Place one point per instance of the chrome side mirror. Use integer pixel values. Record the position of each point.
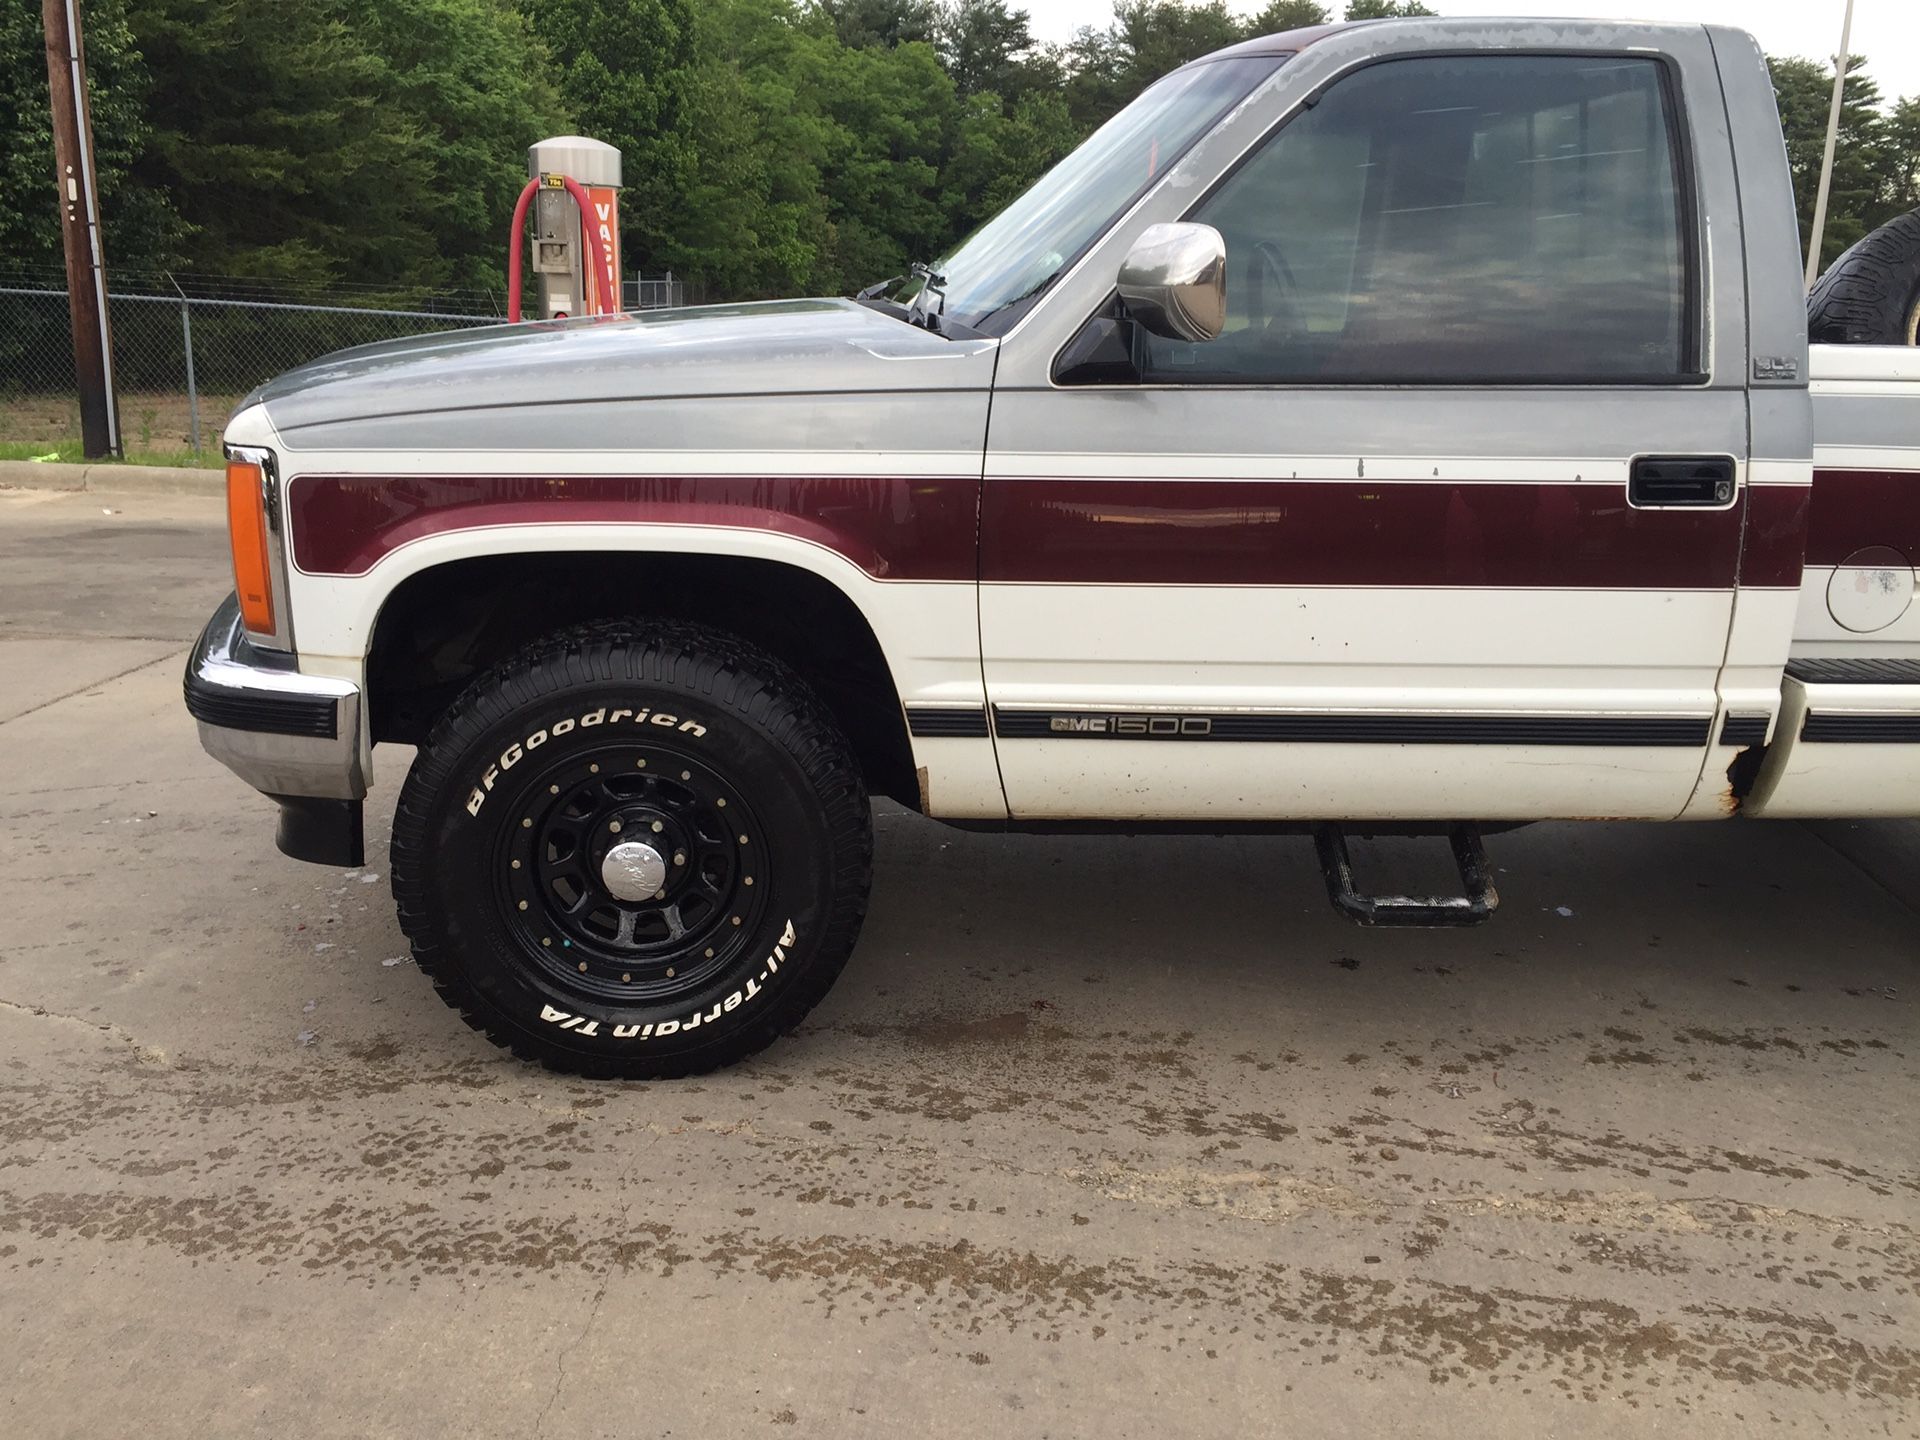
(1174, 281)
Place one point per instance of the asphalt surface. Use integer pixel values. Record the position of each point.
(1095, 1137)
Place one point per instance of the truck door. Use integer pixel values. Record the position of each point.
(1446, 521)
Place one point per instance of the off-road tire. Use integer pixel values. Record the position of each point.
(657, 735)
(1871, 294)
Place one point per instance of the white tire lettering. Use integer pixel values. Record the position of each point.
(581, 1025)
(514, 754)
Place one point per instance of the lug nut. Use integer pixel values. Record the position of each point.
(614, 826)
(680, 857)
(658, 827)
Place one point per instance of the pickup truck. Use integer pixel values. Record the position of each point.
(1402, 428)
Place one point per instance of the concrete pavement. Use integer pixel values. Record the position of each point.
(1095, 1136)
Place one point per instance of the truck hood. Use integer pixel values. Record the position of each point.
(572, 368)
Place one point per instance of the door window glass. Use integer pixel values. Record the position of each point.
(1464, 218)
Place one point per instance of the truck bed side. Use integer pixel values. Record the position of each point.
(1847, 741)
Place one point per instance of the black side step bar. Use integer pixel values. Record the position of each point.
(1474, 907)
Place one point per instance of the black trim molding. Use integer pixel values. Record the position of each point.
(947, 722)
(1859, 729)
(263, 711)
(1361, 729)
(1744, 730)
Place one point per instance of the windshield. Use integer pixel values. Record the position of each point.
(1017, 254)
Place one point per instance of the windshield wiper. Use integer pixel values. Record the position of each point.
(914, 312)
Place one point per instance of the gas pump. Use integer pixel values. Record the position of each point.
(573, 192)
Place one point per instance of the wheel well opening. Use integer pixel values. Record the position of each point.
(442, 628)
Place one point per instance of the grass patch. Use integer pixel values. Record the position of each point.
(70, 451)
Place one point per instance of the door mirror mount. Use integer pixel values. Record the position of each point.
(1174, 281)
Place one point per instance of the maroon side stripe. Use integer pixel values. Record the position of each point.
(894, 528)
(1853, 509)
(1775, 540)
(1167, 532)
(1203, 532)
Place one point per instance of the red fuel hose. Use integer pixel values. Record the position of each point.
(516, 240)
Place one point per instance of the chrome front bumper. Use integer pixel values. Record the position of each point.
(291, 736)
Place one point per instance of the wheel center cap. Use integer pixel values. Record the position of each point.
(633, 871)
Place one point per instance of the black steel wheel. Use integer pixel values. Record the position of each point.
(633, 852)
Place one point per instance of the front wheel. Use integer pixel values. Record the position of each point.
(634, 852)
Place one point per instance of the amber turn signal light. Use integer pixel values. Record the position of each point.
(247, 533)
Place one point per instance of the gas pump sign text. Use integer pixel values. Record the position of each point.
(604, 294)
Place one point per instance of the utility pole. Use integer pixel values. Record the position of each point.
(1826, 163)
(80, 229)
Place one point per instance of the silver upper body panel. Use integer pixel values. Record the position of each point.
(834, 375)
(742, 376)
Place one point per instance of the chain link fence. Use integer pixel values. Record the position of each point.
(186, 352)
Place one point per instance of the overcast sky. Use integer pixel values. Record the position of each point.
(1887, 32)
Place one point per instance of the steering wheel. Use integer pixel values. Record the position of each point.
(1266, 264)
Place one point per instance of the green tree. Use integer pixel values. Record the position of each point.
(1385, 9)
(1901, 144)
(1147, 38)
(139, 225)
(867, 24)
(1855, 203)
(986, 45)
(1281, 15)
(999, 154)
(379, 147)
(626, 69)
(469, 79)
(755, 220)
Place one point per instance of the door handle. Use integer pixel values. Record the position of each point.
(1681, 481)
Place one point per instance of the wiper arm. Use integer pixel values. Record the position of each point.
(878, 288)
